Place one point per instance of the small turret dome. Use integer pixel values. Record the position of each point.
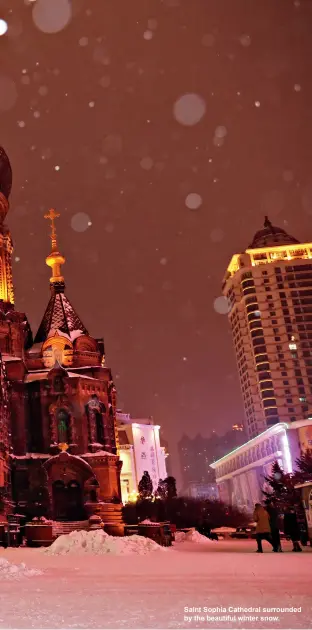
(270, 236)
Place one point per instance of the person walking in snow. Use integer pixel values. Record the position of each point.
(291, 527)
(263, 529)
(274, 524)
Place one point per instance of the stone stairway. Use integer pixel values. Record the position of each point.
(59, 528)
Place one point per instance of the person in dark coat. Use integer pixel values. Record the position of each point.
(274, 524)
(291, 528)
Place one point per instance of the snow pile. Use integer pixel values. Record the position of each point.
(223, 530)
(97, 542)
(192, 536)
(10, 571)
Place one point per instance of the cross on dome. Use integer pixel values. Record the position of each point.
(52, 215)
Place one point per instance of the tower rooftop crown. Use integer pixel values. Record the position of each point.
(55, 259)
(60, 315)
(271, 235)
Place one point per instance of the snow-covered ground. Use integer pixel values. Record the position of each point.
(151, 591)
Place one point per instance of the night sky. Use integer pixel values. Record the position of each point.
(163, 132)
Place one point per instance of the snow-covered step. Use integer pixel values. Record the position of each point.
(59, 528)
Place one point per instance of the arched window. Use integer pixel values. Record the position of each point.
(99, 427)
(63, 426)
(95, 411)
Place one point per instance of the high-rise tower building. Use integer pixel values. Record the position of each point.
(269, 293)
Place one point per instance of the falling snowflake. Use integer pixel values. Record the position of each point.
(105, 81)
(222, 305)
(51, 17)
(8, 93)
(147, 163)
(193, 201)
(80, 222)
(189, 109)
(148, 35)
(221, 131)
(83, 41)
(245, 40)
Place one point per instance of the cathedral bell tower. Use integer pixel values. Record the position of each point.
(6, 246)
(15, 333)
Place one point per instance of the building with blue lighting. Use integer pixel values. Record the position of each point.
(240, 475)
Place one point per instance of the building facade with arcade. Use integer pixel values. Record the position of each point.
(58, 436)
(240, 475)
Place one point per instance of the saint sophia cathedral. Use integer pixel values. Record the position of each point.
(58, 436)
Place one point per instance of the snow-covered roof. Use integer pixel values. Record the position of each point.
(56, 332)
(41, 375)
(35, 376)
(31, 456)
(75, 375)
(35, 348)
(9, 357)
(60, 315)
(98, 454)
(76, 333)
(65, 455)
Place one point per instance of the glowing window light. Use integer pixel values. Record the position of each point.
(286, 453)
(292, 344)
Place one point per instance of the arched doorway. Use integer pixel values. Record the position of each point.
(75, 508)
(68, 476)
(67, 501)
(59, 500)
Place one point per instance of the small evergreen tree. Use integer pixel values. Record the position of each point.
(161, 492)
(166, 489)
(282, 487)
(171, 486)
(145, 487)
